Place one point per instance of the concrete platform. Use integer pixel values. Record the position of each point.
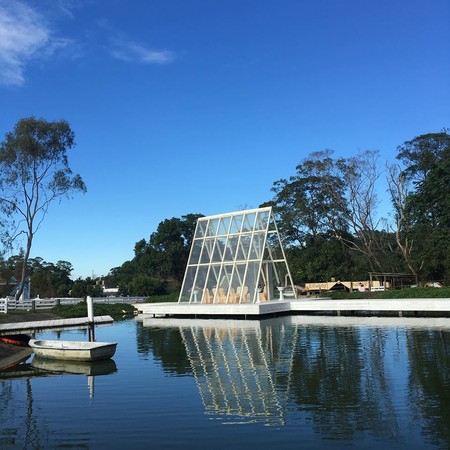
(416, 323)
(319, 306)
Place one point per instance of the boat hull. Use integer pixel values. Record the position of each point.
(89, 368)
(73, 350)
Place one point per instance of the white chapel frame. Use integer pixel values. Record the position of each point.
(236, 258)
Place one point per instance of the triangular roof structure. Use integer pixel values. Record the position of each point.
(236, 258)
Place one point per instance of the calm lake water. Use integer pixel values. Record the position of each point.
(292, 382)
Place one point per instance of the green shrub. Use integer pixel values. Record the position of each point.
(400, 293)
(116, 310)
(417, 293)
(173, 297)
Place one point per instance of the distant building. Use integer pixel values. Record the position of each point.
(378, 281)
(109, 291)
(349, 286)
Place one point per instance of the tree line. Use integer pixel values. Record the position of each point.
(339, 217)
(329, 214)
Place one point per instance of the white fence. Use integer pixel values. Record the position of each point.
(119, 299)
(47, 303)
(35, 303)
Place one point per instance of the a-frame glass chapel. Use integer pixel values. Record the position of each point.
(236, 258)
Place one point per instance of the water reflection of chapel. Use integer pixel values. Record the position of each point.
(236, 258)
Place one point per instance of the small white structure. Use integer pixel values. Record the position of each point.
(3, 305)
(236, 258)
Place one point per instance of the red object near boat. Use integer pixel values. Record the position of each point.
(16, 339)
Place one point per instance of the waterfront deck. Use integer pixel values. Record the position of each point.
(318, 306)
(437, 323)
(54, 324)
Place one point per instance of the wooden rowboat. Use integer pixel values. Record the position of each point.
(73, 350)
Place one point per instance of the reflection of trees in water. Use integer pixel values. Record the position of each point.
(326, 378)
(340, 379)
(20, 425)
(347, 381)
(376, 386)
(334, 375)
(166, 346)
(429, 381)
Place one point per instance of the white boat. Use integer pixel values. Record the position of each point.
(73, 350)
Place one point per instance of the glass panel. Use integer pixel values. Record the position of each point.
(198, 291)
(269, 279)
(249, 221)
(251, 281)
(272, 225)
(230, 250)
(280, 272)
(244, 246)
(236, 222)
(274, 246)
(212, 227)
(213, 274)
(224, 283)
(208, 246)
(188, 283)
(225, 277)
(240, 255)
(224, 225)
(237, 284)
(201, 228)
(257, 245)
(217, 274)
(195, 251)
(239, 273)
(261, 220)
(219, 249)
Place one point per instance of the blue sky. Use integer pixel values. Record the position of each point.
(199, 106)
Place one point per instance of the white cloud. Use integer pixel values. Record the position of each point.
(23, 33)
(24, 36)
(129, 51)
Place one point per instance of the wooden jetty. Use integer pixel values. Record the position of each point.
(423, 307)
(54, 324)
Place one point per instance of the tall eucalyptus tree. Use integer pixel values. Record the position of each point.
(34, 172)
(334, 197)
